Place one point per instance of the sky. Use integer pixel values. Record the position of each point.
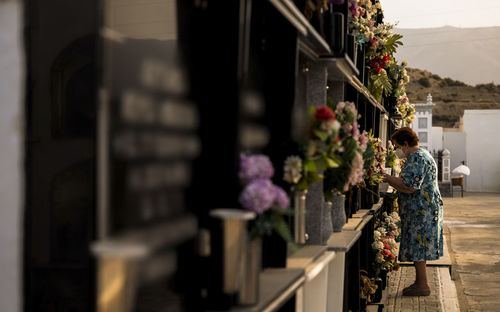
(437, 13)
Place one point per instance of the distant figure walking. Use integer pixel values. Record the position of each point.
(420, 208)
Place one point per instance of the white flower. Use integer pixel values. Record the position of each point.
(382, 231)
(392, 243)
(293, 169)
(376, 234)
(340, 107)
(378, 245)
(405, 63)
(330, 126)
(379, 258)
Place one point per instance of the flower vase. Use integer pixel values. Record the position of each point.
(383, 277)
(251, 267)
(274, 251)
(327, 223)
(367, 197)
(299, 216)
(338, 213)
(366, 78)
(348, 204)
(357, 199)
(378, 293)
(351, 47)
(376, 194)
(360, 63)
(355, 52)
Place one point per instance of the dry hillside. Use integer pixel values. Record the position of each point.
(470, 55)
(450, 96)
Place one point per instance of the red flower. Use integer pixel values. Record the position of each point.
(387, 57)
(324, 113)
(377, 70)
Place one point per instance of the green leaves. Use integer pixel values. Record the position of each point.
(332, 161)
(282, 229)
(379, 84)
(308, 179)
(393, 42)
(331, 104)
(322, 135)
(310, 166)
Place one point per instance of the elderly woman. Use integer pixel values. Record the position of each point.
(420, 208)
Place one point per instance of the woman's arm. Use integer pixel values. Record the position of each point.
(398, 184)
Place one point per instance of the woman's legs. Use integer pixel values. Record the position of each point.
(421, 274)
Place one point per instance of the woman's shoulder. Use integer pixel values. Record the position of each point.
(422, 153)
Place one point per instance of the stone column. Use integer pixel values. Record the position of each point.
(318, 225)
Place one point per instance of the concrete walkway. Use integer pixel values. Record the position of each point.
(443, 296)
(472, 225)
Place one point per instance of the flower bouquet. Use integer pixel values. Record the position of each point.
(386, 243)
(350, 171)
(406, 109)
(338, 180)
(390, 158)
(374, 160)
(399, 78)
(268, 201)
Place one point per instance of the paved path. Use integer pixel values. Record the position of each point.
(443, 297)
(473, 228)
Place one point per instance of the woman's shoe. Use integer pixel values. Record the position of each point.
(415, 291)
(409, 287)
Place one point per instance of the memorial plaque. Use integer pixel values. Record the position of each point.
(151, 123)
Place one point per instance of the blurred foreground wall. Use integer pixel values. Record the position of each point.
(11, 133)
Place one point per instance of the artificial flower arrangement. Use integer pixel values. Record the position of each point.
(362, 18)
(374, 160)
(390, 158)
(406, 109)
(399, 78)
(386, 242)
(381, 60)
(260, 195)
(321, 150)
(350, 171)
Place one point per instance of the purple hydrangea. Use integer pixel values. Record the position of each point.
(255, 167)
(281, 201)
(258, 195)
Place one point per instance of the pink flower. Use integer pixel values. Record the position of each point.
(347, 128)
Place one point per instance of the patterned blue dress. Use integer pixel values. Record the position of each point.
(422, 211)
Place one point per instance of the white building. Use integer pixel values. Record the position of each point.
(423, 122)
(437, 139)
(482, 149)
